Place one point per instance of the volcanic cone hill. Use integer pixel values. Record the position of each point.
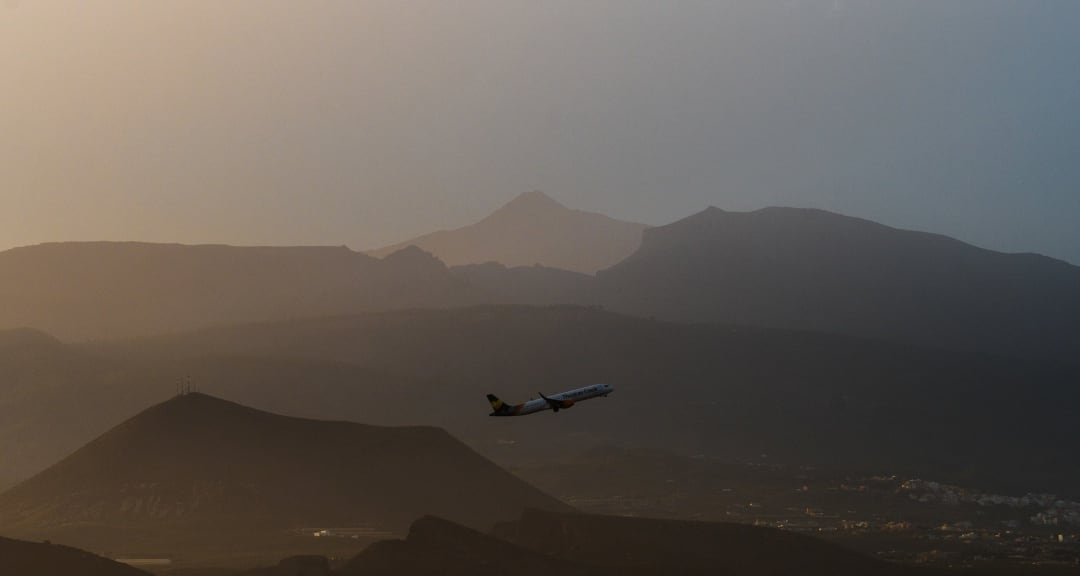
(35, 559)
(201, 465)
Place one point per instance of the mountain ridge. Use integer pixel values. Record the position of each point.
(102, 290)
(807, 269)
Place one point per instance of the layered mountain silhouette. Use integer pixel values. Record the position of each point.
(534, 229)
(198, 466)
(784, 268)
(35, 559)
(814, 270)
(718, 390)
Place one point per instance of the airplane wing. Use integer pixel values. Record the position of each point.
(557, 405)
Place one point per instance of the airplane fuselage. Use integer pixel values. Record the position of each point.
(554, 402)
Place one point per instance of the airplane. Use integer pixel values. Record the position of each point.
(554, 402)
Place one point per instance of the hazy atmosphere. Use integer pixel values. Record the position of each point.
(367, 123)
(546, 288)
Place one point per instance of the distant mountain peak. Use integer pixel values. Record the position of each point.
(533, 228)
(531, 201)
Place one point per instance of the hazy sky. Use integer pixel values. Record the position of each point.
(367, 122)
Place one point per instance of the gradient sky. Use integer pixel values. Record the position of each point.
(368, 122)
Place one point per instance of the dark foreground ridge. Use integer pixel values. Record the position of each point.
(438, 546)
(19, 558)
(544, 543)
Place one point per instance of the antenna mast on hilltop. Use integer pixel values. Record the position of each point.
(184, 386)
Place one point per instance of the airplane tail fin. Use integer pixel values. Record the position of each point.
(498, 407)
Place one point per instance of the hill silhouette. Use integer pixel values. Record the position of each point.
(200, 466)
(306, 565)
(34, 559)
(534, 229)
(438, 546)
(814, 270)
